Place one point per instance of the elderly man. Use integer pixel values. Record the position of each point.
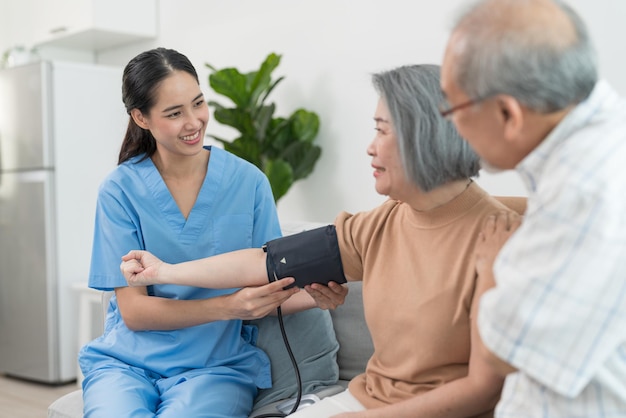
(520, 82)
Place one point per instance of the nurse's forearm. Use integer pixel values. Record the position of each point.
(240, 268)
(142, 312)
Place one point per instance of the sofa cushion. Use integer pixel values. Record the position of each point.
(67, 406)
(355, 342)
(312, 340)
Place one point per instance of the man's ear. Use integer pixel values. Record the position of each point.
(512, 117)
(139, 119)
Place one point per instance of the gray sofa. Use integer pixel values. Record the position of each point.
(331, 347)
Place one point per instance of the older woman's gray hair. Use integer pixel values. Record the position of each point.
(431, 150)
(546, 66)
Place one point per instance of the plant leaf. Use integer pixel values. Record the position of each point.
(231, 83)
(305, 125)
(236, 118)
(270, 88)
(261, 121)
(215, 105)
(280, 134)
(247, 148)
(279, 174)
(262, 78)
(302, 157)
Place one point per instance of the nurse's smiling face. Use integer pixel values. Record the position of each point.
(179, 116)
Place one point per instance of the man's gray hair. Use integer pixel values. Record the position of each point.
(543, 73)
(431, 150)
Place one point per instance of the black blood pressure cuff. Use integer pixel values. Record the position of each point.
(310, 257)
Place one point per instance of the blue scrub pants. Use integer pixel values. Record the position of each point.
(131, 392)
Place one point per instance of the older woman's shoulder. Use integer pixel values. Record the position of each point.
(514, 203)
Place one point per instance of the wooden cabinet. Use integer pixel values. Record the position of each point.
(90, 25)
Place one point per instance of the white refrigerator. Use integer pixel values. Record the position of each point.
(61, 126)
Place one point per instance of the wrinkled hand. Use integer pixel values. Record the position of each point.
(497, 230)
(327, 297)
(141, 268)
(256, 302)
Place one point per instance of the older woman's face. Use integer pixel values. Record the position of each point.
(388, 171)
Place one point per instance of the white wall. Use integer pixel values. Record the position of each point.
(330, 48)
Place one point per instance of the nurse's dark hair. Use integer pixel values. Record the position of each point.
(431, 150)
(140, 81)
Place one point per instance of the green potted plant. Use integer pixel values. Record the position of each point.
(282, 147)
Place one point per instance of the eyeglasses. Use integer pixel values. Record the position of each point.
(446, 111)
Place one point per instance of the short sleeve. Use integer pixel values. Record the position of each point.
(115, 233)
(351, 257)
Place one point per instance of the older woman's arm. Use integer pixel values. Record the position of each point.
(242, 268)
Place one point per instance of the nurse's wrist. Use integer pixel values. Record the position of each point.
(167, 274)
(219, 308)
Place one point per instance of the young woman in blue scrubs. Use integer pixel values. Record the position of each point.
(168, 350)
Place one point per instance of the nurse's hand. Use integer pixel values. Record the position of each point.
(327, 297)
(256, 302)
(141, 268)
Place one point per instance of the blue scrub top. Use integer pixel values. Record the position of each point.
(235, 209)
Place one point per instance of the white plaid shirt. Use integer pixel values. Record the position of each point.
(558, 311)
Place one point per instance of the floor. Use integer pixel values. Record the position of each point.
(23, 399)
